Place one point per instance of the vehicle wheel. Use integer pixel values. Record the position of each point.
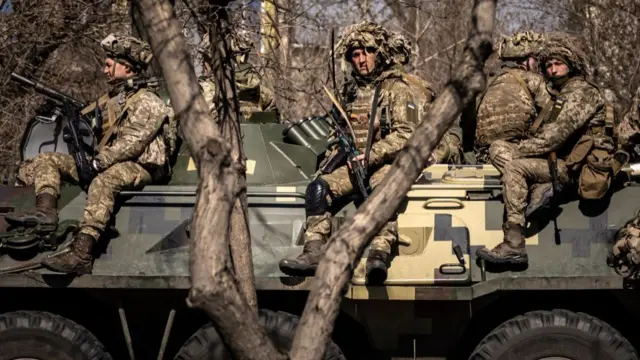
(554, 335)
(42, 335)
(206, 344)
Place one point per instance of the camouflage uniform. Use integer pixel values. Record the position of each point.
(403, 100)
(253, 96)
(584, 110)
(513, 98)
(626, 251)
(629, 127)
(132, 154)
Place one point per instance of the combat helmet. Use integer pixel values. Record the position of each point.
(240, 44)
(568, 48)
(128, 50)
(393, 48)
(521, 45)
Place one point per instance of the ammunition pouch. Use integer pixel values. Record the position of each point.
(595, 159)
(334, 160)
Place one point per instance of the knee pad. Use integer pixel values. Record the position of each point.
(315, 201)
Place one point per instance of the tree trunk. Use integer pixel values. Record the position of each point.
(228, 124)
(213, 286)
(347, 245)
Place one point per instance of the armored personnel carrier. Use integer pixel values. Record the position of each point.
(437, 303)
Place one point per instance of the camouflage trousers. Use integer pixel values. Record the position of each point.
(501, 152)
(448, 151)
(524, 179)
(47, 170)
(319, 227)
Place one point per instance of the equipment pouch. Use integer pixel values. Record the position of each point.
(334, 161)
(595, 175)
(599, 165)
(579, 152)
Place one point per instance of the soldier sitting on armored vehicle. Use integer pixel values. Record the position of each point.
(626, 251)
(512, 107)
(134, 152)
(374, 57)
(514, 97)
(574, 133)
(253, 95)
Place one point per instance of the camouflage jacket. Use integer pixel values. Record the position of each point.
(396, 107)
(584, 108)
(403, 101)
(143, 131)
(629, 127)
(509, 106)
(252, 94)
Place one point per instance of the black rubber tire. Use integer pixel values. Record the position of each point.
(42, 335)
(205, 344)
(560, 333)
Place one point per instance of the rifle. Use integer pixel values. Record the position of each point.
(69, 108)
(553, 169)
(347, 148)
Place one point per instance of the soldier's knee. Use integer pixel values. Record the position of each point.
(316, 197)
(499, 147)
(516, 166)
(104, 180)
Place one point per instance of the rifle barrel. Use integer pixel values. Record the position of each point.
(46, 90)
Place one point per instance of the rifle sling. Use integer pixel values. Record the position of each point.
(372, 120)
(89, 108)
(548, 114)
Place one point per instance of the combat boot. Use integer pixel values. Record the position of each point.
(44, 214)
(510, 251)
(377, 266)
(307, 262)
(75, 258)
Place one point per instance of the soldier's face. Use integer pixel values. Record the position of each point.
(533, 64)
(363, 60)
(556, 68)
(116, 71)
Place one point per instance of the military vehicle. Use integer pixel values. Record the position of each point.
(437, 303)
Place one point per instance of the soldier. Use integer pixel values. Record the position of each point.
(629, 127)
(627, 247)
(513, 99)
(579, 113)
(134, 152)
(252, 94)
(373, 57)
(508, 109)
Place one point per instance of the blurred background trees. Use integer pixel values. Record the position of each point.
(57, 41)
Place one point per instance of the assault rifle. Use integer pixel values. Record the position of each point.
(348, 151)
(69, 109)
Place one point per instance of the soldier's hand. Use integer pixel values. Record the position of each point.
(357, 158)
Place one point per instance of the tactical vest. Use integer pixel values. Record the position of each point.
(505, 111)
(358, 106)
(116, 110)
(359, 110)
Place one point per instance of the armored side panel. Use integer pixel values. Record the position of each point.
(40, 137)
(277, 154)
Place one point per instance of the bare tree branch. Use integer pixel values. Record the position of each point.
(214, 288)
